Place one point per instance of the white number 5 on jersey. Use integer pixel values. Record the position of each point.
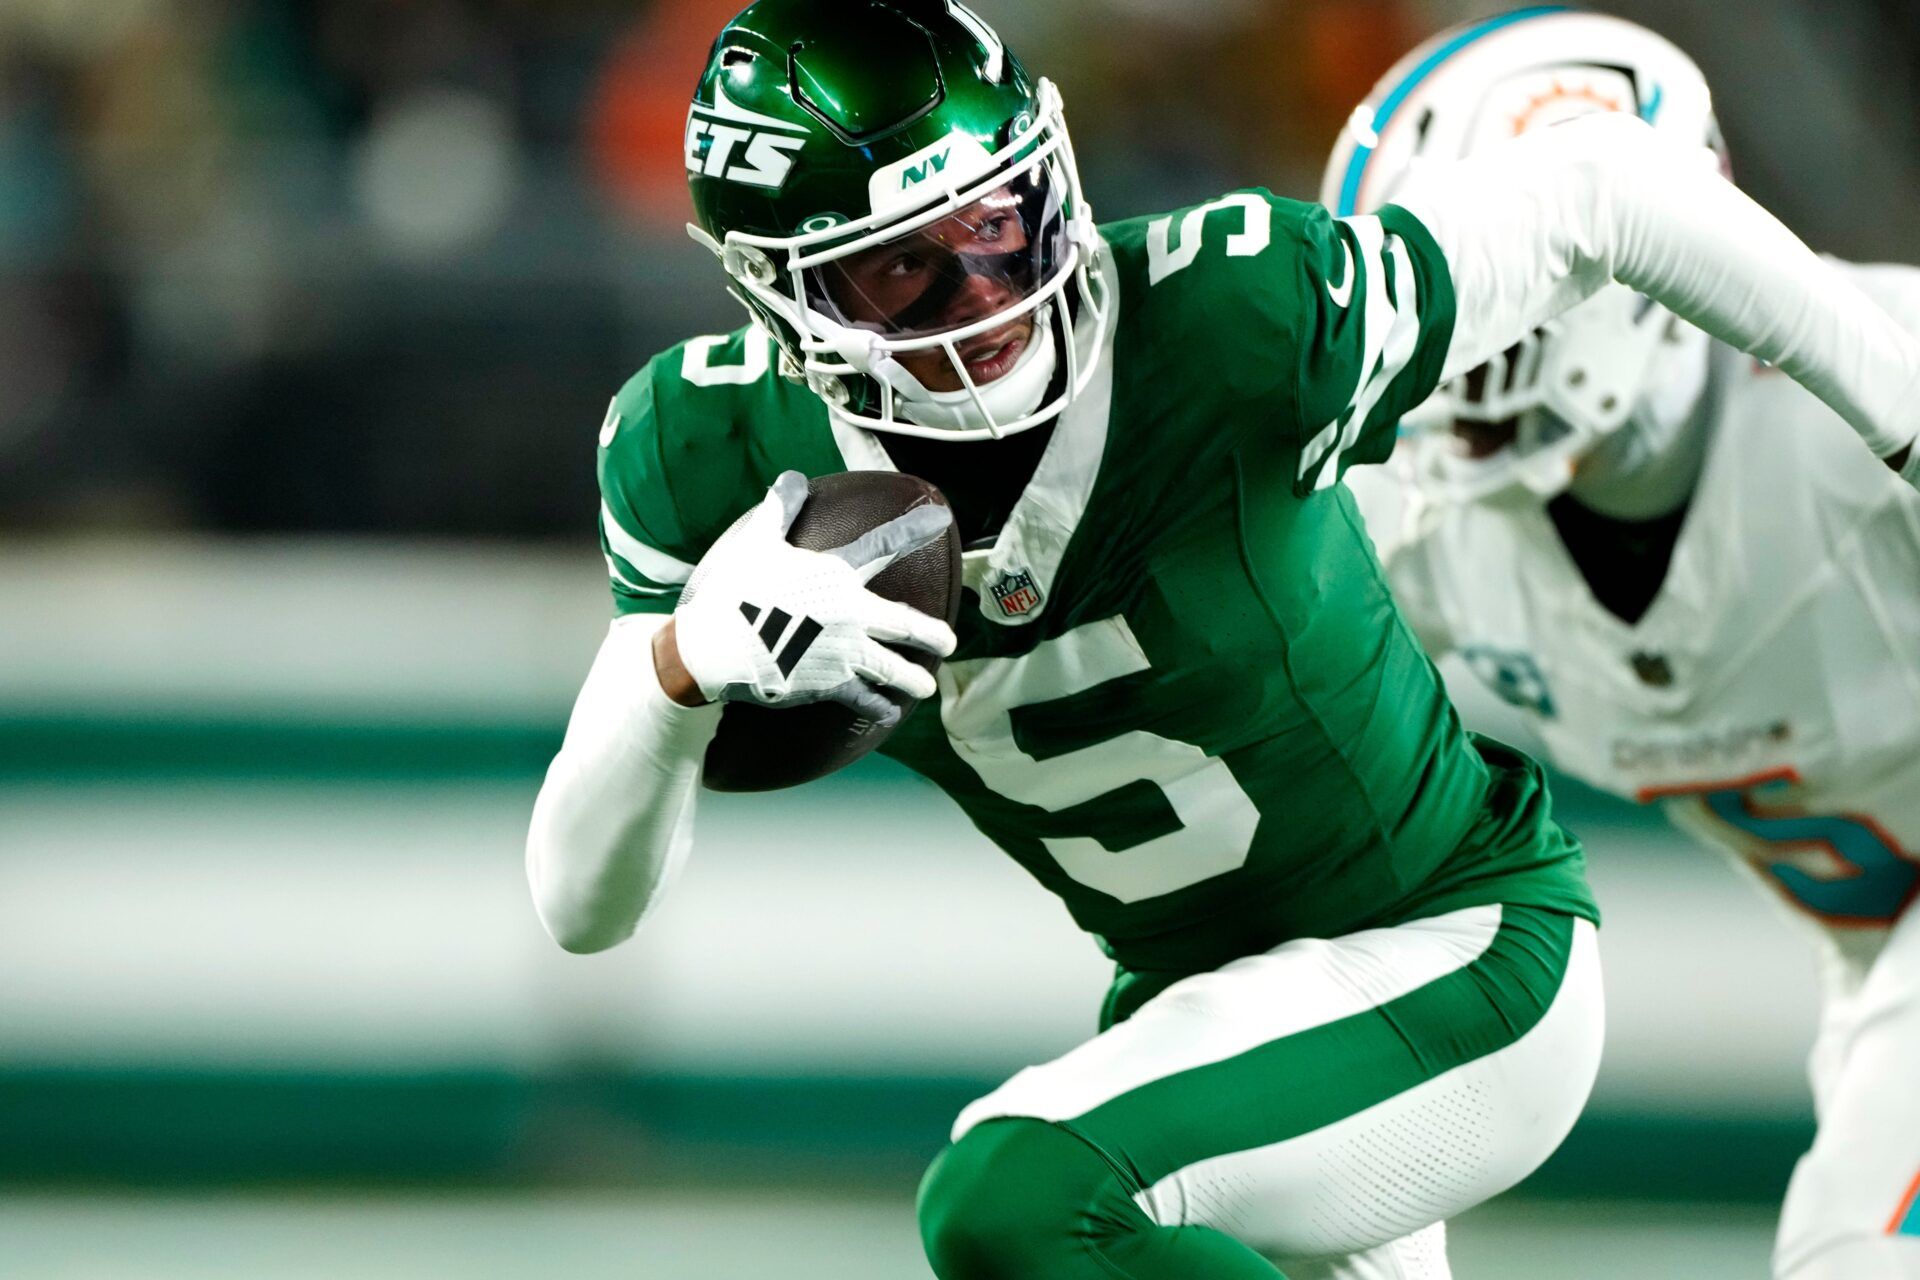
(1217, 817)
(1255, 234)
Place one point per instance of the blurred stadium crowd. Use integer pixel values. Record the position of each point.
(348, 266)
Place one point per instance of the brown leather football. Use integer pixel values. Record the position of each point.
(764, 748)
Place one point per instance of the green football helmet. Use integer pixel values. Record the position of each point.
(896, 203)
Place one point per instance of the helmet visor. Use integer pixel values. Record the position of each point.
(969, 266)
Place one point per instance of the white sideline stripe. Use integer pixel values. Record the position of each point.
(656, 564)
(1250, 1002)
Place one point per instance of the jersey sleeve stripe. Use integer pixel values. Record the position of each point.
(653, 564)
(1327, 444)
(1402, 338)
(625, 581)
(1390, 336)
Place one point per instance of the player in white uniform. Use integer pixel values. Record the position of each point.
(1697, 586)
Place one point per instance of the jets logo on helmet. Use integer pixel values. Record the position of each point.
(764, 144)
(1517, 425)
(917, 243)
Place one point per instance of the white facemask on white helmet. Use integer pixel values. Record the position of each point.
(1598, 369)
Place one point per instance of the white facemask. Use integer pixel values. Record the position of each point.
(1013, 395)
(1651, 463)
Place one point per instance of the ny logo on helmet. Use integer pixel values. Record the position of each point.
(919, 173)
(726, 140)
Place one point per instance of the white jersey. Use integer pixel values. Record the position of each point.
(1769, 697)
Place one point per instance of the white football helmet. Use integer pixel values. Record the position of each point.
(1528, 416)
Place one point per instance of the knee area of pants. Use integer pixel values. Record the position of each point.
(1009, 1195)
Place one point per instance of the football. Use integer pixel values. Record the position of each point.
(765, 748)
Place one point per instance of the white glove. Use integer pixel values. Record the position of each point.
(769, 622)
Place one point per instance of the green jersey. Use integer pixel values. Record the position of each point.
(1182, 698)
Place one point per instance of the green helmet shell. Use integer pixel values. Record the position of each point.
(803, 101)
(825, 129)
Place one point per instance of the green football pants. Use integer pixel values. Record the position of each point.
(1019, 1197)
(1324, 1103)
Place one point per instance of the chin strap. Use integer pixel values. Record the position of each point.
(862, 349)
(894, 374)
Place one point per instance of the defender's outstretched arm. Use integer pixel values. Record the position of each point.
(1533, 226)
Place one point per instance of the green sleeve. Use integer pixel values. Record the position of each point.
(642, 534)
(689, 445)
(1378, 312)
(1266, 318)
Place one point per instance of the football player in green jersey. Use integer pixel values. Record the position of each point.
(1357, 988)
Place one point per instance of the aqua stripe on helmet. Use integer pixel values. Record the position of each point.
(1906, 1219)
(1357, 163)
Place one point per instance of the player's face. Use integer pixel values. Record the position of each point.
(955, 272)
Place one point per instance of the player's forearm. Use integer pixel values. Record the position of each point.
(1534, 226)
(615, 815)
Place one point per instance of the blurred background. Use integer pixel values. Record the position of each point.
(308, 314)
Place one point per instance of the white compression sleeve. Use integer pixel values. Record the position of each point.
(615, 815)
(1535, 225)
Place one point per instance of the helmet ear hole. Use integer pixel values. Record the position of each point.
(829, 388)
(748, 262)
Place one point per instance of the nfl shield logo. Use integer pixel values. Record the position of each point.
(1016, 593)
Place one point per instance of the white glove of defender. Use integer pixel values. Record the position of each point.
(769, 622)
